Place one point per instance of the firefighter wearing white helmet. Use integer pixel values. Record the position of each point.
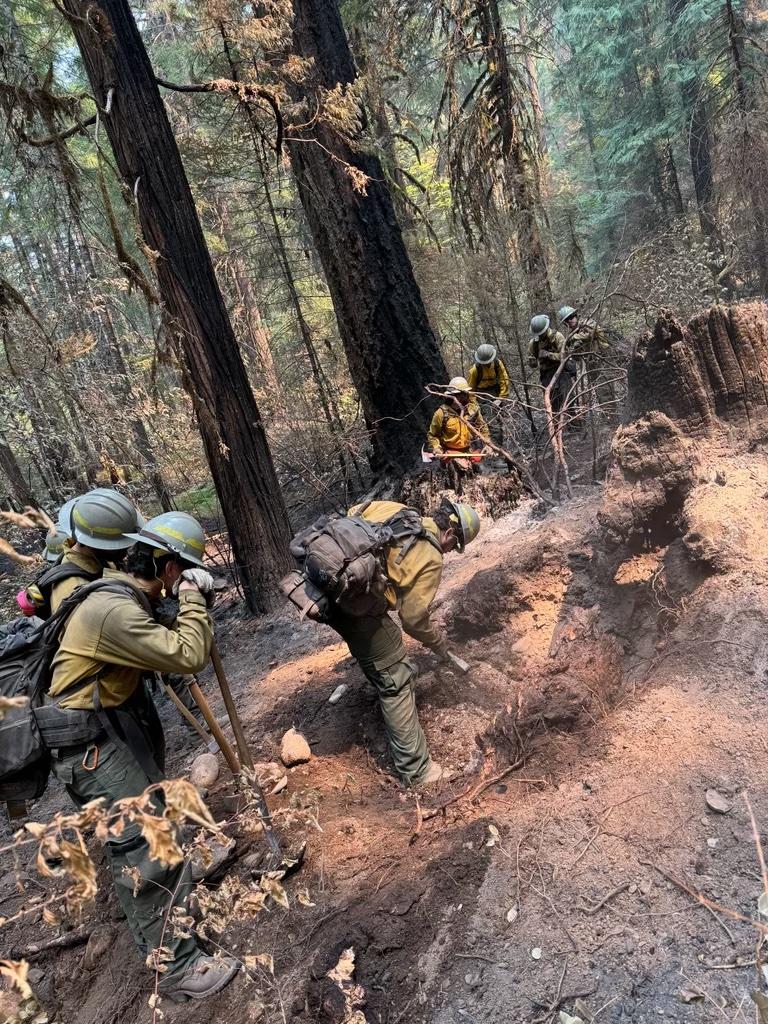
(414, 569)
(489, 378)
(547, 349)
(449, 437)
(584, 337)
(95, 527)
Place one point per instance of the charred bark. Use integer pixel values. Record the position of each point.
(20, 488)
(390, 346)
(706, 374)
(149, 162)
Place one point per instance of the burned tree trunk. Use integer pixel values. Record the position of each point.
(148, 159)
(389, 343)
(19, 485)
(688, 384)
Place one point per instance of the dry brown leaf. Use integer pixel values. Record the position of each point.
(16, 972)
(161, 837)
(183, 800)
(273, 888)
(261, 959)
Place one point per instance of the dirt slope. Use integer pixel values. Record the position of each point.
(618, 655)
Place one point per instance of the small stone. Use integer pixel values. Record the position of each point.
(35, 975)
(204, 771)
(712, 842)
(338, 693)
(632, 888)
(536, 953)
(101, 941)
(294, 749)
(645, 886)
(717, 802)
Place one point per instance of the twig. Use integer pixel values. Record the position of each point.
(714, 908)
(730, 967)
(68, 941)
(591, 911)
(472, 793)
(419, 822)
(476, 956)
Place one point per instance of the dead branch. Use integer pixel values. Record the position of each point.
(715, 909)
(68, 941)
(55, 139)
(473, 792)
(244, 93)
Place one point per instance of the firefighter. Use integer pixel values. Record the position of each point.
(449, 437)
(488, 376)
(113, 748)
(547, 350)
(376, 642)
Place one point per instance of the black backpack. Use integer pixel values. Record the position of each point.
(48, 579)
(345, 559)
(26, 655)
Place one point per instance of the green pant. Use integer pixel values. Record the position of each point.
(147, 897)
(377, 645)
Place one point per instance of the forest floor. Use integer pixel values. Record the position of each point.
(626, 684)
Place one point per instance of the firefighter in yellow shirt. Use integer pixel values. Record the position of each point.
(488, 376)
(449, 436)
(376, 642)
(99, 725)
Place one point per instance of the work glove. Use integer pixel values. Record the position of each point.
(202, 580)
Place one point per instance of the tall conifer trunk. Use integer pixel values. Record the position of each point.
(389, 343)
(148, 159)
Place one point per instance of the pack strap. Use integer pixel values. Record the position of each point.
(135, 741)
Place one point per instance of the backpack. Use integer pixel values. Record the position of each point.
(48, 579)
(26, 655)
(344, 562)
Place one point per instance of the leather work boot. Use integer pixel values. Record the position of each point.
(433, 776)
(205, 977)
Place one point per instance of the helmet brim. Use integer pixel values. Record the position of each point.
(150, 542)
(100, 544)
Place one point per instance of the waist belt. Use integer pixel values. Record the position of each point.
(67, 727)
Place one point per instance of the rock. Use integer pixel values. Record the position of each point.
(271, 776)
(101, 941)
(204, 771)
(338, 693)
(294, 749)
(35, 976)
(717, 802)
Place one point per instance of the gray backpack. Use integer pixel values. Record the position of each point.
(343, 562)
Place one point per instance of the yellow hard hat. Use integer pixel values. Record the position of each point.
(467, 521)
(458, 384)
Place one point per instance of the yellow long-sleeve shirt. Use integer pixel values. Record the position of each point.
(114, 629)
(415, 579)
(588, 337)
(449, 430)
(491, 377)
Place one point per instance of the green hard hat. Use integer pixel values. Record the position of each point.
(467, 521)
(485, 355)
(55, 543)
(539, 324)
(105, 519)
(565, 313)
(175, 533)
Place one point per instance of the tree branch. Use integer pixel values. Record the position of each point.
(51, 140)
(244, 93)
